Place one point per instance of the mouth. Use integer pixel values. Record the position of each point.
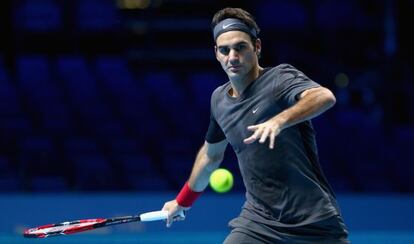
(234, 68)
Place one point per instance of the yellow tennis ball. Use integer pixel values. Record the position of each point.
(221, 180)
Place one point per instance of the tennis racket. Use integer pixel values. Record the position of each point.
(76, 226)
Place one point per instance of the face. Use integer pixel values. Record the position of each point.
(236, 54)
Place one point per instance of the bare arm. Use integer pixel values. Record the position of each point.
(312, 103)
(208, 159)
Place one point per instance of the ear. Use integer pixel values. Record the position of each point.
(258, 46)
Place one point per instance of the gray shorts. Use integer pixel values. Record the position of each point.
(244, 231)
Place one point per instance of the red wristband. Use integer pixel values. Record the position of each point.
(187, 197)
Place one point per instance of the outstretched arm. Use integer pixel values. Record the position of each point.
(312, 102)
(208, 159)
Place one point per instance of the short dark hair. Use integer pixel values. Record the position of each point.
(236, 13)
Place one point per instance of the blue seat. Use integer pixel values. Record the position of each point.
(137, 164)
(37, 145)
(339, 15)
(136, 107)
(93, 112)
(97, 15)
(202, 86)
(150, 183)
(93, 172)
(33, 70)
(4, 74)
(400, 158)
(340, 183)
(290, 15)
(178, 168)
(48, 184)
(371, 174)
(122, 146)
(13, 128)
(109, 129)
(116, 76)
(38, 156)
(10, 182)
(133, 104)
(87, 101)
(9, 102)
(194, 129)
(4, 165)
(34, 77)
(162, 85)
(57, 119)
(149, 127)
(71, 67)
(179, 145)
(140, 173)
(38, 15)
(78, 145)
(171, 102)
(79, 80)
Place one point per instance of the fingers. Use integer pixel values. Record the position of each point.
(252, 127)
(272, 140)
(169, 222)
(173, 218)
(253, 137)
(265, 134)
(180, 216)
(170, 218)
(262, 132)
(175, 213)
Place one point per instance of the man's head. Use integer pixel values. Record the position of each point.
(237, 44)
(234, 19)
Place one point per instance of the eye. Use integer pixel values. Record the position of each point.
(239, 47)
(224, 50)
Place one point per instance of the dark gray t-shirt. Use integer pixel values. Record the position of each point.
(285, 186)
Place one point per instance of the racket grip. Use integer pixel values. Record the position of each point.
(153, 216)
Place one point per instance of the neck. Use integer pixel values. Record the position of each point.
(238, 85)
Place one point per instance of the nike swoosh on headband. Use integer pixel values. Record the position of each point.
(225, 26)
(232, 24)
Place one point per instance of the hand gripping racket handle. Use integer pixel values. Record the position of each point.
(153, 216)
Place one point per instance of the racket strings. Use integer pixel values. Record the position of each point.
(65, 227)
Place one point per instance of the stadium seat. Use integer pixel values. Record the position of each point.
(93, 172)
(10, 104)
(38, 15)
(96, 15)
(140, 173)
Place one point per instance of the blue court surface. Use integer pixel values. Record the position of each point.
(194, 237)
(370, 218)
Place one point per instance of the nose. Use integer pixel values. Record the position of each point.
(233, 56)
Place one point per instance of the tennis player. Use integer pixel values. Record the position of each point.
(264, 113)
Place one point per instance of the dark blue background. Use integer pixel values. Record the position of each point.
(102, 95)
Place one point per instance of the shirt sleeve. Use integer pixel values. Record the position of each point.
(214, 133)
(290, 83)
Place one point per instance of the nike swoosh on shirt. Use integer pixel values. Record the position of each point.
(255, 110)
